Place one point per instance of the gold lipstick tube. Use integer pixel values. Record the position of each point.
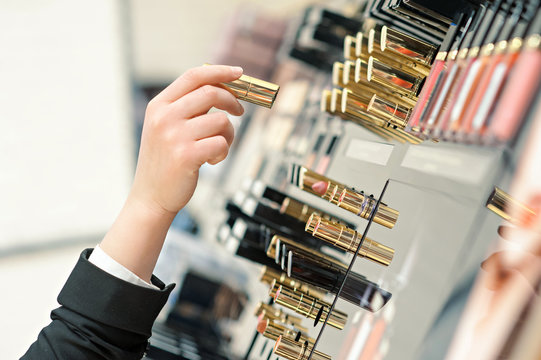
(277, 239)
(348, 240)
(309, 306)
(394, 113)
(338, 74)
(406, 98)
(407, 47)
(372, 47)
(283, 279)
(350, 45)
(253, 90)
(356, 104)
(275, 314)
(362, 206)
(364, 86)
(297, 350)
(297, 209)
(392, 78)
(273, 330)
(501, 202)
(365, 121)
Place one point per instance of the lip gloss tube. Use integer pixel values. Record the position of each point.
(310, 307)
(517, 93)
(479, 58)
(348, 239)
(495, 52)
(430, 114)
(435, 70)
(296, 350)
(489, 62)
(502, 65)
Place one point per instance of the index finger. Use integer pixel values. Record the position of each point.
(197, 77)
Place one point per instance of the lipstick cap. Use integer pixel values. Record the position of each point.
(501, 202)
(348, 240)
(253, 90)
(290, 349)
(309, 306)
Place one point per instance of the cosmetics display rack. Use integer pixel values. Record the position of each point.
(439, 189)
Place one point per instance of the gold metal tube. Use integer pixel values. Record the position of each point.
(338, 74)
(395, 79)
(276, 239)
(407, 47)
(348, 240)
(355, 202)
(309, 306)
(273, 330)
(367, 46)
(272, 277)
(269, 312)
(253, 90)
(501, 203)
(360, 79)
(394, 113)
(297, 350)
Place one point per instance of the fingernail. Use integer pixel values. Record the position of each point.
(237, 70)
(320, 187)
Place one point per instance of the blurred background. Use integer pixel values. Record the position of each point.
(76, 77)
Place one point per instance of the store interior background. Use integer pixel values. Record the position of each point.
(72, 74)
(68, 144)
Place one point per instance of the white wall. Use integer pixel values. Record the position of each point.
(65, 124)
(171, 36)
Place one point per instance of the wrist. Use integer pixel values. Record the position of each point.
(151, 211)
(136, 237)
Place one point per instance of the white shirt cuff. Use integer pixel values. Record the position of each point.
(102, 260)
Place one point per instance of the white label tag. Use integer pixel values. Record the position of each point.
(462, 166)
(369, 151)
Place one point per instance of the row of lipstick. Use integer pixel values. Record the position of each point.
(399, 88)
(299, 274)
(309, 275)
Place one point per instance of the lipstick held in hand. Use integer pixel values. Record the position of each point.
(251, 89)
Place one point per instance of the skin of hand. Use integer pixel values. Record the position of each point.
(179, 135)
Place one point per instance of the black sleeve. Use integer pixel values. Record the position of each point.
(100, 317)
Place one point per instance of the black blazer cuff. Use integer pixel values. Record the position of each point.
(98, 295)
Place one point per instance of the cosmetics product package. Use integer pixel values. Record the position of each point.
(348, 240)
(343, 196)
(323, 272)
(269, 312)
(296, 350)
(271, 276)
(502, 204)
(273, 330)
(309, 306)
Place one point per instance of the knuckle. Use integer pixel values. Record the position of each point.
(222, 122)
(191, 74)
(210, 92)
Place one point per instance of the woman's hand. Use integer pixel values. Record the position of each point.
(178, 137)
